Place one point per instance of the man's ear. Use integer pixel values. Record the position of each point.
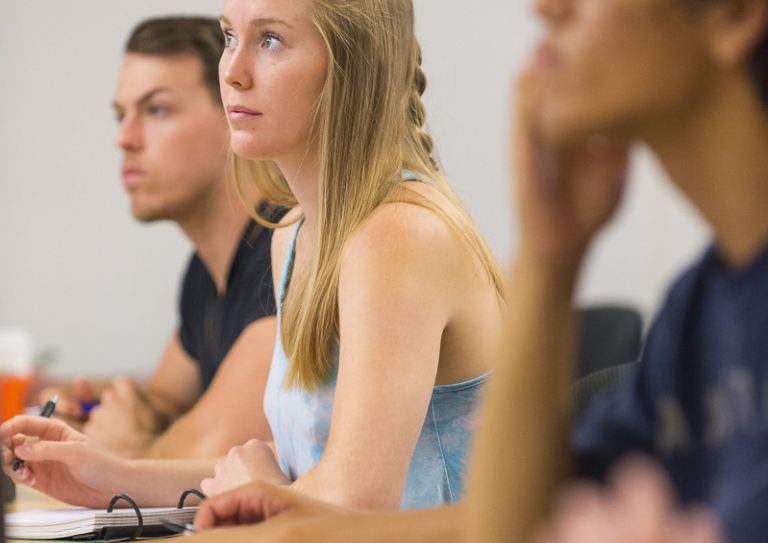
(735, 28)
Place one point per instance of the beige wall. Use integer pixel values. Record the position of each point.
(100, 289)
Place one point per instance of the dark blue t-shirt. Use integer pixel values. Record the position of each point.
(210, 323)
(699, 400)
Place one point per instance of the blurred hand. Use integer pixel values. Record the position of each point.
(637, 507)
(292, 517)
(564, 194)
(124, 422)
(253, 461)
(70, 396)
(59, 461)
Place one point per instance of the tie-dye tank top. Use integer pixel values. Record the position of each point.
(300, 422)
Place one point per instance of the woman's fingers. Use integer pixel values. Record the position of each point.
(44, 428)
(66, 452)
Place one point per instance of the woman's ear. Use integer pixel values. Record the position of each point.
(735, 28)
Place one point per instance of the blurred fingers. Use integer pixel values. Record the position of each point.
(697, 525)
(208, 486)
(644, 489)
(244, 505)
(84, 391)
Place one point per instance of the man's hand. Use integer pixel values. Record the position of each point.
(637, 507)
(565, 192)
(125, 421)
(253, 461)
(72, 397)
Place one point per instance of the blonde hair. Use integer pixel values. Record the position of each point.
(369, 128)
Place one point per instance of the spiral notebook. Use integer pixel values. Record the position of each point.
(112, 524)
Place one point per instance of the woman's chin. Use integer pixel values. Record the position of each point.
(248, 149)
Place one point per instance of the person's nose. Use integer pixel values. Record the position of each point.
(553, 11)
(129, 137)
(236, 68)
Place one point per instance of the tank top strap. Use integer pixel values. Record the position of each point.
(285, 276)
(290, 257)
(410, 175)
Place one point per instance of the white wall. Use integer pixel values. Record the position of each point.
(85, 279)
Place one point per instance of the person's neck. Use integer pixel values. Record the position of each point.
(302, 176)
(718, 155)
(215, 230)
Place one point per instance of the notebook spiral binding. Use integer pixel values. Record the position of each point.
(115, 534)
(186, 493)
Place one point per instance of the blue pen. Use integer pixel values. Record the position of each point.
(86, 407)
(47, 411)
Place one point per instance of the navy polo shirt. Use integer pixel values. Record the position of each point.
(699, 400)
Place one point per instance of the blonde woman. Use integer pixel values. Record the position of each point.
(390, 302)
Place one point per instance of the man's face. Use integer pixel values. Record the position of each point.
(618, 67)
(173, 135)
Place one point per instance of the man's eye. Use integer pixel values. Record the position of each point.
(157, 110)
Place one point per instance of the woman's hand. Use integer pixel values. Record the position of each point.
(638, 507)
(59, 461)
(565, 192)
(253, 461)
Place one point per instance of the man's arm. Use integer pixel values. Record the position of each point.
(565, 195)
(134, 421)
(231, 411)
(172, 390)
(175, 386)
(522, 434)
(131, 416)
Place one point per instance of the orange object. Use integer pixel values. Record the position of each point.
(13, 390)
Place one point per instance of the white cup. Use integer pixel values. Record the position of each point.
(16, 351)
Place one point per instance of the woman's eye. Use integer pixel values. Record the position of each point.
(271, 41)
(229, 39)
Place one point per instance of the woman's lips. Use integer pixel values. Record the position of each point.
(240, 113)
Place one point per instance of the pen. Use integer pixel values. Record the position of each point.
(87, 407)
(47, 411)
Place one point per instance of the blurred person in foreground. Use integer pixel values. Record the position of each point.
(174, 138)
